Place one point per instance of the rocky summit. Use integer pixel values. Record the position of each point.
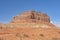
(29, 25)
(32, 16)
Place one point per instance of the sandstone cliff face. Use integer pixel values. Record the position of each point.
(29, 25)
(32, 16)
(32, 19)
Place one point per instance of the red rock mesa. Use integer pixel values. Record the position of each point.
(29, 25)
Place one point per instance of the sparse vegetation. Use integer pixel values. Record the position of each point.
(25, 35)
(17, 35)
(42, 35)
(59, 32)
(0, 27)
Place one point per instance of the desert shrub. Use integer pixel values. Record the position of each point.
(42, 35)
(0, 27)
(59, 32)
(17, 35)
(25, 35)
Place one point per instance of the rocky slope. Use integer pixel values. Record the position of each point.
(29, 25)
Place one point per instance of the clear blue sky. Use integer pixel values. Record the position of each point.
(9, 8)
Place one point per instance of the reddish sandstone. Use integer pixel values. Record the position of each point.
(29, 25)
